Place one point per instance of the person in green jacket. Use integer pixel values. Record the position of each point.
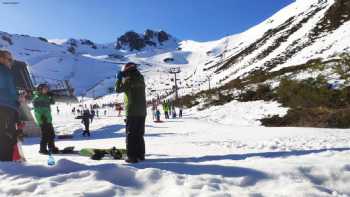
(165, 109)
(42, 101)
(131, 82)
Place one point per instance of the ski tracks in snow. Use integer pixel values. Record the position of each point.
(189, 157)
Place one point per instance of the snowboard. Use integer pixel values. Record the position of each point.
(94, 153)
(98, 154)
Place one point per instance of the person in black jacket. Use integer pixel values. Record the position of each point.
(86, 121)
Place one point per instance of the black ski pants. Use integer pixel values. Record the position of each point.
(47, 137)
(135, 131)
(8, 138)
(87, 127)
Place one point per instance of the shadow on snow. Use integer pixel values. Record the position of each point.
(281, 154)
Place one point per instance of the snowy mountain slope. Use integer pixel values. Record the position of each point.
(54, 63)
(304, 30)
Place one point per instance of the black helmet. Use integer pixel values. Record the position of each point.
(131, 66)
(41, 86)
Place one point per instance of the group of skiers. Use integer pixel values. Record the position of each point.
(168, 107)
(129, 81)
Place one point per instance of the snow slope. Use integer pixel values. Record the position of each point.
(188, 157)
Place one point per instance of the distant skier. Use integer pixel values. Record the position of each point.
(58, 110)
(180, 112)
(119, 108)
(41, 101)
(154, 111)
(166, 110)
(170, 108)
(131, 82)
(86, 121)
(157, 115)
(97, 113)
(174, 112)
(92, 115)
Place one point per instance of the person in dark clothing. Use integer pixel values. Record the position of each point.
(42, 101)
(131, 82)
(92, 115)
(9, 106)
(157, 115)
(86, 121)
(7, 133)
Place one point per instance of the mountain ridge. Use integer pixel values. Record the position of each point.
(302, 31)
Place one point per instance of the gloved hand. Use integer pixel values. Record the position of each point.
(120, 75)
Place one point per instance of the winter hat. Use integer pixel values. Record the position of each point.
(129, 67)
(41, 86)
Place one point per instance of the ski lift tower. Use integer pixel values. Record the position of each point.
(175, 71)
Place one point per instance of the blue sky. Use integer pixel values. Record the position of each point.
(104, 20)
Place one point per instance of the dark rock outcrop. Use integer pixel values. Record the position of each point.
(7, 39)
(134, 41)
(89, 43)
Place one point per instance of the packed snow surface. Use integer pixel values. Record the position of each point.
(189, 157)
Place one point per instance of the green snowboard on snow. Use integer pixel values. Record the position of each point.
(95, 153)
(98, 154)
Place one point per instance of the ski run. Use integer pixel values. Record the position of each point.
(197, 155)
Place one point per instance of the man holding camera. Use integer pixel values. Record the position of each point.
(9, 106)
(42, 101)
(131, 82)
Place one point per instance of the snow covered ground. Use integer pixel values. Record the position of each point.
(189, 157)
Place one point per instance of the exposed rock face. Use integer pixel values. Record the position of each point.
(163, 36)
(89, 43)
(7, 39)
(134, 41)
(75, 43)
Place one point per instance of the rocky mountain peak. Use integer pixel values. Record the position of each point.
(135, 41)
